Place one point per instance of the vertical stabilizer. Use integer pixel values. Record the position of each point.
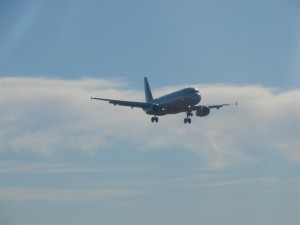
(148, 94)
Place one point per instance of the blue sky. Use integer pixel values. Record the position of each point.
(243, 42)
(66, 160)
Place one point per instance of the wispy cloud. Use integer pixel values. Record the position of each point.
(34, 194)
(48, 116)
(16, 167)
(248, 182)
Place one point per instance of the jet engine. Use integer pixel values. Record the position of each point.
(203, 111)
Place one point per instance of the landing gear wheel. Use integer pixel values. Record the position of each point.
(154, 119)
(187, 119)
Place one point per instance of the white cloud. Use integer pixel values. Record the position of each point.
(48, 116)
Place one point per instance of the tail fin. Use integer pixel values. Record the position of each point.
(148, 94)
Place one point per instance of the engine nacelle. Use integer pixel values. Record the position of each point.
(203, 111)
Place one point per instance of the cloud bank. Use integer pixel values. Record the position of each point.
(49, 116)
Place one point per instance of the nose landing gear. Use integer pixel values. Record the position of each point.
(187, 120)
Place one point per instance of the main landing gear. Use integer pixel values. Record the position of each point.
(154, 119)
(187, 119)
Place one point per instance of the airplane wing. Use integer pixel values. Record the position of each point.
(142, 105)
(212, 106)
(220, 106)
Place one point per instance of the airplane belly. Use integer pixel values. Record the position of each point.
(178, 105)
(174, 108)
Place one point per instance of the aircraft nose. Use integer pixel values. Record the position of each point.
(198, 96)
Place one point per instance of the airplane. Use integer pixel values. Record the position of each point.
(184, 100)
